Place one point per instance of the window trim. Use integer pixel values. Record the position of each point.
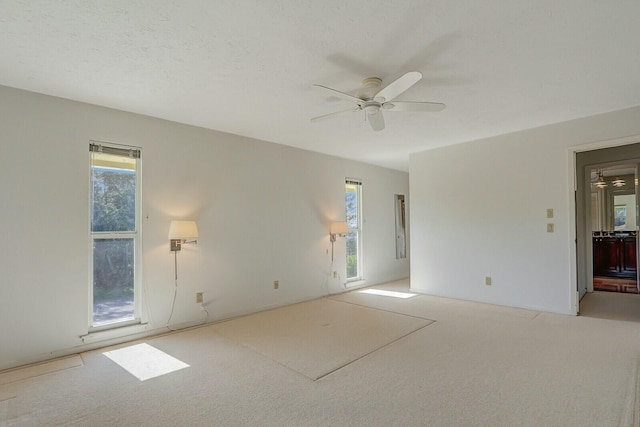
(138, 316)
(358, 230)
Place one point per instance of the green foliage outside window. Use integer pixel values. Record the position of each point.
(113, 209)
(114, 200)
(351, 216)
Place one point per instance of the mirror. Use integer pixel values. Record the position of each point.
(613, 198)
(624, 212)
(401, 244)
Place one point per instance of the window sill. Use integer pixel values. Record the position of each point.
(108, 334)
(358, 283)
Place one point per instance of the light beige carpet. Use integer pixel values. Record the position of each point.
(318, 337)
(38, 369)
(476, 365)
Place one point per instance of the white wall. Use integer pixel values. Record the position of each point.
(479, 209)
(263, 213)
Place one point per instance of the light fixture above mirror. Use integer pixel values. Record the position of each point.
(600, 183)
(618, 182)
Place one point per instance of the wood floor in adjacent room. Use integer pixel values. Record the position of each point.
(359, 359)
(615, 284)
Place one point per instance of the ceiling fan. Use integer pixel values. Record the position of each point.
(372, 100)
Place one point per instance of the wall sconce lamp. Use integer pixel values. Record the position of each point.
(180, 232)
(338, 228)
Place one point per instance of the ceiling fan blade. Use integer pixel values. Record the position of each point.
(326, 116)
(376, 120)
(342, 95)
(398, 86)
(413, 106)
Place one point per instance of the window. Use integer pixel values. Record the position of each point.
(353, 215)
(114, 229)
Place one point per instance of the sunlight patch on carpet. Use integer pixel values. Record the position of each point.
(144, 361)
(384, 293)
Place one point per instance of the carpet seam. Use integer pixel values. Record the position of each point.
(43, 363)
(380, 309)
(257, 351)
(373, 351)
(537, 315)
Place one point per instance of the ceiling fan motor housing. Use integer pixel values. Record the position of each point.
(370, 87)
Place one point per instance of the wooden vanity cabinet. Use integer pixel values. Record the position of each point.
(614, 256)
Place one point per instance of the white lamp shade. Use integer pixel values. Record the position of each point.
(182, 230)
(339, 227)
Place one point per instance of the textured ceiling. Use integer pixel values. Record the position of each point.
(246, 67)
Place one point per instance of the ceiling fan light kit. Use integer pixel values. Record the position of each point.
(372, 99)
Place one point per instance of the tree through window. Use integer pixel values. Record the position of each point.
(114, 234)
(353, 213)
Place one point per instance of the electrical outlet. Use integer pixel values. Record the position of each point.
(549, 213)
(276, 284)
(550, 227)
(487, 281)
(199, 297)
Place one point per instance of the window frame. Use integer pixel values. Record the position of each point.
(357, 230)
(136, 235)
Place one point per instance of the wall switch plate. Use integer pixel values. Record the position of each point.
(276, 284)
(550, 228)
(199, 297)
(549, 213)
(487, 281)
(335, 274)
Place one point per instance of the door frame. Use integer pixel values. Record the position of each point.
(625, 149)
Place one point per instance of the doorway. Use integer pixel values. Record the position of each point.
(613, 219)
(607, 219)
